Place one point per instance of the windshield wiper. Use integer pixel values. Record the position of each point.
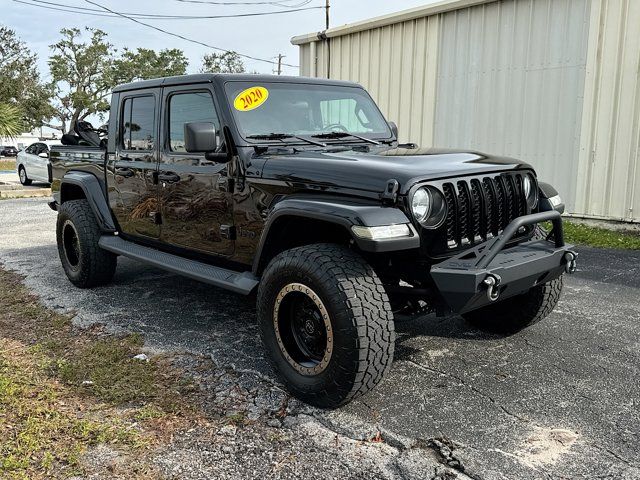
(284, 136)
(329, 135)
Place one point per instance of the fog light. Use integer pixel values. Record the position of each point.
(383, 232)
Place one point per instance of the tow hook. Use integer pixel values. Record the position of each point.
(570, 262)
(493, 287)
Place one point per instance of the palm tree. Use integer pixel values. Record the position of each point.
(10, 120)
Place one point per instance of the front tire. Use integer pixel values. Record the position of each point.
(22, 175)
(516, 313)
(84, 262)
(326, 323)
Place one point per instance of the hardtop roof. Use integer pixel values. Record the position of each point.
(222, 78)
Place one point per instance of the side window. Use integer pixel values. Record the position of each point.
(344, 112)
(137, 124)
(30, 149)
(189, 107)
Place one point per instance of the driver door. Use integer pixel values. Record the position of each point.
(195, 193)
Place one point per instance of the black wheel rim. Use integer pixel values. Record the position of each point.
(303, 329)
(71, 244)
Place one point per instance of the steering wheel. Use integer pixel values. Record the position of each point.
(337, 126)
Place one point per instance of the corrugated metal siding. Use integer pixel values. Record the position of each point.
(396, 64)
(554, 82)
(511, 82)
(610, 149)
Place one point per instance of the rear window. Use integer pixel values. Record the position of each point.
(138, 123)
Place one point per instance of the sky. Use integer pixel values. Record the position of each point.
(263, 36)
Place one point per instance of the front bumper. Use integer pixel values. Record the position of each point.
(490, 272)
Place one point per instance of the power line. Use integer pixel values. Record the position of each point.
(89, 11)
(64, 10)
(182, 37)
(278, 4)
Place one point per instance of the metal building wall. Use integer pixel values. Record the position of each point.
(609, 173)
(554, 82)
(396, 63)
(511, 82)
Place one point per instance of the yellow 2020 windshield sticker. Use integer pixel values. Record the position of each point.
(250, 98)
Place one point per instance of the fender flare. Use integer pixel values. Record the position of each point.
(345, 213)
(94, 194)
(547, 191)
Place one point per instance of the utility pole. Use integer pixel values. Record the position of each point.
(326, 8)
(279, 67)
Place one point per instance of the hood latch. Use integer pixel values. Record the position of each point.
(390, 194)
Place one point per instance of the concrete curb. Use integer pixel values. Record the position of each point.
(21, 193)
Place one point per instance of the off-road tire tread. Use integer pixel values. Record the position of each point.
(100, 265)
(358, 291)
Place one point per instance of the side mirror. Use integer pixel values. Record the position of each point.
(394, 129)
(200, 137)
(43, 155)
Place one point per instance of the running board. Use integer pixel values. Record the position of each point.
(239, 282)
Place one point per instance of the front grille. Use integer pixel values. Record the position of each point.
(480, 208)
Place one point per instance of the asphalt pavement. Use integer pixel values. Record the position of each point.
(559, 400)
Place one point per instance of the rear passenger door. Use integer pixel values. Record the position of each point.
(195, 196)
(133, 192)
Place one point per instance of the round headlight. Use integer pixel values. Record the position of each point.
(526, 184)
(428, 207)
(421, 204)
(530, 190)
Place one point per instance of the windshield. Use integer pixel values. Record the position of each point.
(263, 108)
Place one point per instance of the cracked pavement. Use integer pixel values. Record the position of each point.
(559, 400)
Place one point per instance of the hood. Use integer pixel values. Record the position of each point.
(370, 171)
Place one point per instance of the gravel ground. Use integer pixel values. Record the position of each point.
(560, 400)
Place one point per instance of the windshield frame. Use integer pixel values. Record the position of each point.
(384, 137)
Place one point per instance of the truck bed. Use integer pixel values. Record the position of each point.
(66, 158)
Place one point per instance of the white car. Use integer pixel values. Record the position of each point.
(33, 165)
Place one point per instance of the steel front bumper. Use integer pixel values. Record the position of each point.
(490, 272)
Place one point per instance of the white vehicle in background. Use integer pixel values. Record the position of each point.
(32, 163)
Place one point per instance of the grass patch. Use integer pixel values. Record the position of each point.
(7, 165)
(41, 431)
(63, 391)
(581, 234)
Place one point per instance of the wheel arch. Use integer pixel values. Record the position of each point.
(298, 221)
(83, 185)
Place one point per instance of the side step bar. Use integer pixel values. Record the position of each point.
(239, 282)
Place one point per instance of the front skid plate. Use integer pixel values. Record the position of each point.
(519, 268)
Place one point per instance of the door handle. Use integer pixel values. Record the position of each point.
(124, 172)
(168, 177)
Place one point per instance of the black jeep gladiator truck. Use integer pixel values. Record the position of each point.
(296, 190)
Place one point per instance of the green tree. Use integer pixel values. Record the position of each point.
(20, 83)
(85, 72)
(145, 63)
(10, 120)
(81, 72)
(227, 62)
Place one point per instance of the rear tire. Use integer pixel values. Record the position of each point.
(326, 323)
(22, 174)
(84, 262)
